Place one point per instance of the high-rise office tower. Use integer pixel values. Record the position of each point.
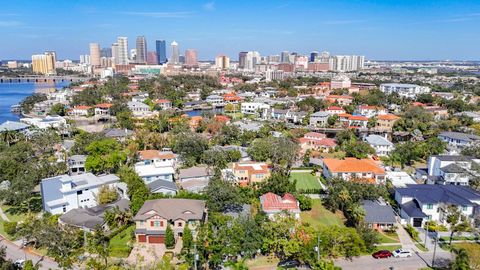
(284, 57)
(175, 59)
(191, 57)
(314, 56)
(222, 62)
(242, 57)
(251, 60)
(161, 50)
(115, 53)
(141, 50)
(106, 52)
(44, 63)
(95, 54)
(122, 51)
(133, 55)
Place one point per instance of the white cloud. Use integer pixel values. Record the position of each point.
(175, 14)
(210, 6)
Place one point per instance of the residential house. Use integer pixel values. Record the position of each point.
(343, 100)
(49, 121)
(76, 164)
(154, 216)
(400, 178)
(316, 141)
(273, 204)
(385, 122)
(438, 112)
(404, 90)
(370, 111)
(421, 203)
(450, 169)
(319, 119)
(254, 108)
(382, 146)
(215, 100)
(157, 155)
(295, 117)
(335, 110)
(357, 121)
(80, 110)
(63, 193)
(103, 109)
(231, 98)
(119, 134)
(13, 126)
(163, 104)
(246, 173)
(150, 172)
(194, 179)
(138, 108)
(89, 218)
(378, 214)
(363, 170)
(457, 141)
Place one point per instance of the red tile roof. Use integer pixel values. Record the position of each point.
(161, 101)
(357, 118)
(82, 107)
(104, 105)
(387, 117)
(274, 202)
(352, 165)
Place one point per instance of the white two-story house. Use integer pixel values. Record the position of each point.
(421, 203)
(382, 146)
(63, 193)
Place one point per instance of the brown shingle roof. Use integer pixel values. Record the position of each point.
(172, 209)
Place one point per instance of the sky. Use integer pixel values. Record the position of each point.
(380, 30)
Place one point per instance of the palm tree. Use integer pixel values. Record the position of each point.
(462, 261)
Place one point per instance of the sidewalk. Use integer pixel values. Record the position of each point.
(405, 240)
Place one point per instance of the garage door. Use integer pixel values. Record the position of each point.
(417, 222)
(142, 238)
(156, 239)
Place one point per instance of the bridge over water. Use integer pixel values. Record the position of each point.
(42, 79)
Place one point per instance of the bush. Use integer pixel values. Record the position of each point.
(412, 232)
(305, 202)
(10, 227)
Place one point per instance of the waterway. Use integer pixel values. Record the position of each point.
(13, 93)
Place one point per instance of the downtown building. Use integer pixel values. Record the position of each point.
(346, 63)
(222, 62)
(44, 63)
(161, 50)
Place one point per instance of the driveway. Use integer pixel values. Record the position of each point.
(146, 254)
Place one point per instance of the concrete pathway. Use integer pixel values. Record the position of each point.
(405, 240)
(3, 216)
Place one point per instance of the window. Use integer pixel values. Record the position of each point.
(429, 217)
(180, 224)
(157, 223)
(64, 209)
(464, 208)
(429, 206)
(79, 192)
(142, 223)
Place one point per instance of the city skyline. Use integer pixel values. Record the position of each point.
(383, 31)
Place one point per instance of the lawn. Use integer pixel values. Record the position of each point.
(12, 218)
(262, 262)
(386, 238)
(473, 250)
(120, 244)
(319, 216)
(305, 181)
(389, 248)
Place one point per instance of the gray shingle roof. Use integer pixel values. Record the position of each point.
(159, 184)
(194, 172)
(378, 140)
(172, 209)
(453, 194)
(452, 168)
(459, 136)
(412, 209)
(377, 213)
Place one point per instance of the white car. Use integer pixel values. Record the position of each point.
(402, 253)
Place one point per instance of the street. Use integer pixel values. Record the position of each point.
(16, 253)
(417, 261)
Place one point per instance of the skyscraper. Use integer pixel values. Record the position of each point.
(175, 59)
(115, 53)
(95, 54)
(251, 60)
(222, 62)
(314, 56)
(152, 58)
(122, 51)
(44, 63)
(106, 52)
(191, 57)
(242, 56)
(284, 58)
(141, 50)
(161, 49)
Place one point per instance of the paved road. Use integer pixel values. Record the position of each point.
(16, 253)
(415, 262)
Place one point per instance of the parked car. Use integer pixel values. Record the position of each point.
(289, 264)
(19, 264)
(402, 253)
(382, 254)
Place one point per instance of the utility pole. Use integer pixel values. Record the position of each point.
(195, 256)
(434, 250)
(426, 233)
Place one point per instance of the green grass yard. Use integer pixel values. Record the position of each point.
(387, 238)
(120, 244)
(319, 216)
(12, 218)
(305, 181)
